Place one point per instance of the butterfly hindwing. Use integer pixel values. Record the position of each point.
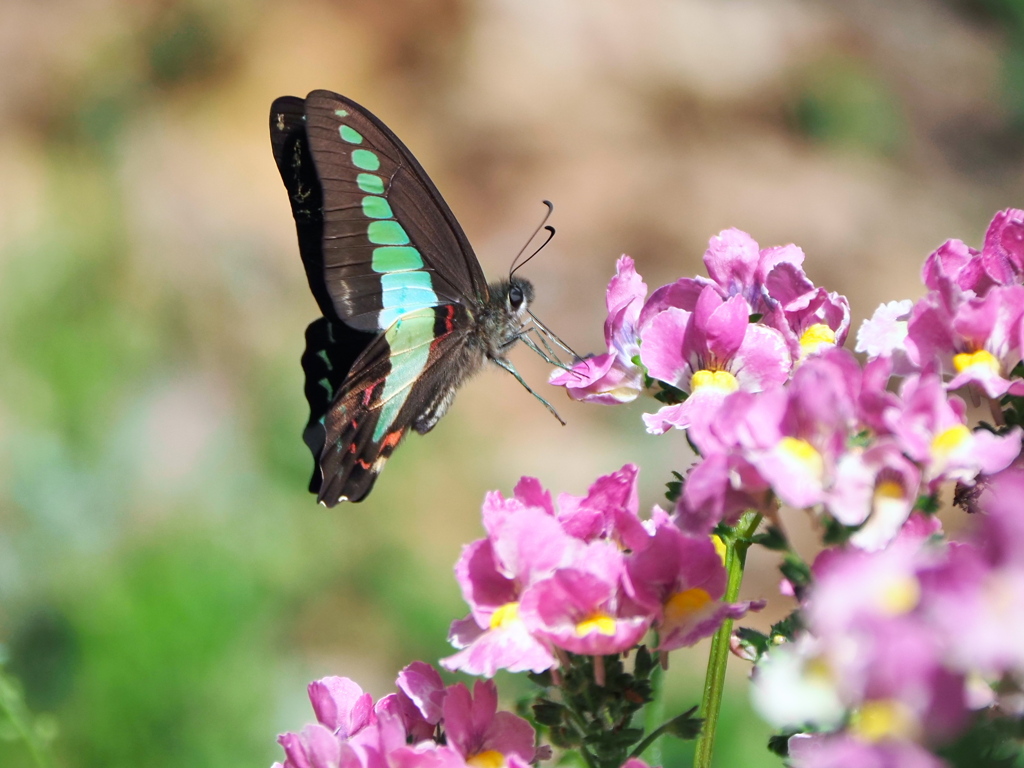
(390, 243)
(404, 379)
(331, 349)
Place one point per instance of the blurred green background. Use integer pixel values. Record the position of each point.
(167, 587)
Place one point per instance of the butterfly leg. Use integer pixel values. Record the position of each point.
(553, 338)
(509, 367)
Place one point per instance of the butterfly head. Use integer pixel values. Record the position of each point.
(503, 317)
(518, 295)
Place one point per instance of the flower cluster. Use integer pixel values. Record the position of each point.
(969, 327)
(779, 413)
(695, 336)
(898, 667)
(422, 725)
(585, 576)
(904, 647)
(903, 641)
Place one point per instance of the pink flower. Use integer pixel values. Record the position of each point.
(536, 550)
(584, 608)
(842, 751)
(609, 511)
(681, 580)
(931, 429)
(493, 637)
(708, 354)
(465, 730)
(976, 341)
(875, 488)
(613, 377)
(341, 705)
(481, 734)
(884, 335)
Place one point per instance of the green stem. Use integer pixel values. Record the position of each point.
(714, 683)
(654, 718)
(12, 707)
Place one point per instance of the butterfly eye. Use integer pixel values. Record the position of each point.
(515, 297)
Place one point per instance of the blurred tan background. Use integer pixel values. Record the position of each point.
(167, 586)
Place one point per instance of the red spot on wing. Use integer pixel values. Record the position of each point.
(391, 440)
(449, 324)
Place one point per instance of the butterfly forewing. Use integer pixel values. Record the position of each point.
(295, 163)
(390, 243)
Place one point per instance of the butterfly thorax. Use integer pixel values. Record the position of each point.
(500, 320)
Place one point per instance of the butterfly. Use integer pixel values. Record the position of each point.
(408, 315)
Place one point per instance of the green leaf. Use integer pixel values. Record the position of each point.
(685, 726)
(796, 571)
(988, 743)
(773, 539)
(547, 712)
(787, 628)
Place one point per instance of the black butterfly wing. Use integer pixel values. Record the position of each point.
(390, 243)
(331, 346)
(405, 378)
(295, 163)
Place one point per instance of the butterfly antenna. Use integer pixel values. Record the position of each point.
(551, 233)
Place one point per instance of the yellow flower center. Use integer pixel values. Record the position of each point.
(944, 443)
(683, 604)
(805, 453)
(883, 719)
(888, 490)
(966, 360)
(505, 615)
(714, 379)
(901, 596)
(489, 759)
(815, 337)
(719, 547)
(818, 669)
(598, 622)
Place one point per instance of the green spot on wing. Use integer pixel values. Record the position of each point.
(370, 183)
(365, 159)
(396, 258)
(376, 208)
(351, 135)
(339, 113)
(386, 232)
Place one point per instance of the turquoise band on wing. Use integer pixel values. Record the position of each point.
(405, 289)
(402, 293)
(409, 339)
